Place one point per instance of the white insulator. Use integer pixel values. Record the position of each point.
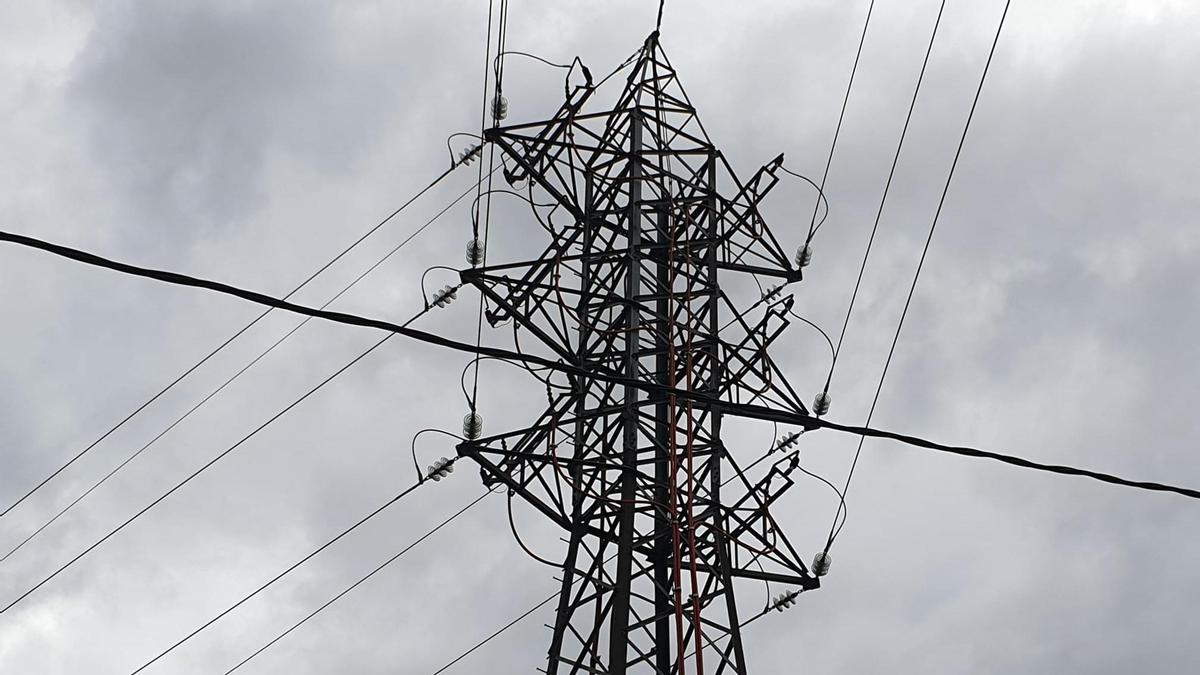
(499, 107)
(788, 441)
(804, 255)
(444, 297)
(821, 403)
(439, 469)
(821, 563)
(784, 601)
(474, 252)
(472, 426)
(467, 156)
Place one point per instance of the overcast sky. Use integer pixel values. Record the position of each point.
(248, 141)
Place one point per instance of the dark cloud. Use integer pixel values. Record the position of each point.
(247, 141)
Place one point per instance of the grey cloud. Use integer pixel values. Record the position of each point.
(248, 141)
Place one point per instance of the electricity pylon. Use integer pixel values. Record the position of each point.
(660, 519)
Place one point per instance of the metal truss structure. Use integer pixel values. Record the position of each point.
(660, 518)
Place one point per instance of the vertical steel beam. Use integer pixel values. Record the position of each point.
(563, 615)
(619, 620)
(712, 387)
(664, 600)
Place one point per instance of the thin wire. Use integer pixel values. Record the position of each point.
(407, 491)
(226, 343)
(920, 265)
(821, 198)
(235, 376)
(517, 620)
(501, 30)
(483, 117)
(489, 638)
(455, 135)
(784, 416)
(133, 414)
(747, 622)
(813, 226)
(462, 378)
(535, 57)
(883, 200)
(569, 67)
(424, 293)
(772, 448)
(430, 430)
(523, 197)
(487, 61)
(510, 624)
(621, 66)
(815, 327)
(512, 525)
(370, 574)
(208, 464)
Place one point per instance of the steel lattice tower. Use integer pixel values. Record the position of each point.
(628, 459)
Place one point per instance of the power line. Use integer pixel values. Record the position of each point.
(498, 110)
(489, 638)
(503, 628)
(585, 376)
(966, 451)
(277, 577)
(883, 200)
(487, 64)
(211, 462)
(543, 603)
(268, 300)
(230, 339)
(920, 265)
(812, 225)
(766, 610)
(362, 579)
(140, 408)
(796, 418)
(235, 376)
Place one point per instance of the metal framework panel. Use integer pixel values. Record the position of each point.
(660, 520)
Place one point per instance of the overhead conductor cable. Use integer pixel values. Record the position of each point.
(917, 274)
(230, 339)
(797, 418)
(208, 464)
(83, 495)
